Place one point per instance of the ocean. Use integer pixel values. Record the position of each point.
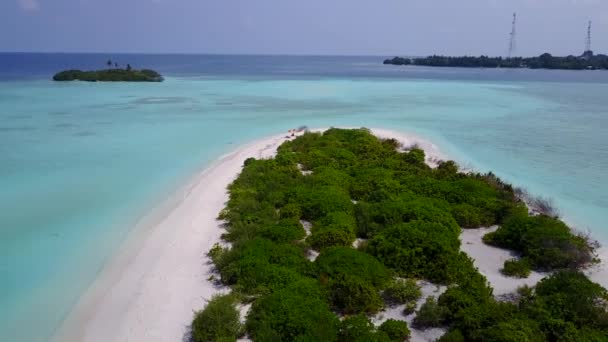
(81, 163)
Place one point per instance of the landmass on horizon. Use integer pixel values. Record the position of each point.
(113, 74)
(587, 61)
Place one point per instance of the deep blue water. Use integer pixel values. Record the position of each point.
(81, 162)
(20, 66)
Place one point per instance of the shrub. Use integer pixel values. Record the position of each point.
(402, 291)
(513, 330)
(357, 328)
(546, 242)
(469, 216)
(396, 330)
(415, 156)
(419, 249)
(287, 230)
(409, 308)
(216, 253)
(516, 268)
(570, 296)
(351, 294)
(259, 263)
(452, 336)
(296, 313)
(330, 237)
(321, 201)
(430, 314)
(291, 210)
(219, 320)
(344, 260)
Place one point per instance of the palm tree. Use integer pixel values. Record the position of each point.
(109, 63)
(129, 67)
(116, 65)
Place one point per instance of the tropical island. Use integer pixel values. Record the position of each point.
(341, 227)
(113, 74)
(587, 61)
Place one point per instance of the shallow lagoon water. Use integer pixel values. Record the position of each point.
(80, 163)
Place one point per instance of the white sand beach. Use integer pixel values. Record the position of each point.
(151, 288)
(489, 261)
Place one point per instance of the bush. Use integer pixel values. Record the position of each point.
(336, 261)
(330, 237)
(516, 268)
(351, 295)
(296, 313)
(415, 157)
(419, 249)
(357, 328)
(409, 308)
(396, 330)
(570, 296)
(318, 202)
(545, 241)
(513, 330)
(430, 314)
(218, 321)
(287, 230)
(469, 216)
(291, 210)
(452, 336)
(402, 291)
(261, 264)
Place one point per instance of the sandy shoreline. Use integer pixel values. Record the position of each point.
(149, 290)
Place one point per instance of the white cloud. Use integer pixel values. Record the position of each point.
(29, 5)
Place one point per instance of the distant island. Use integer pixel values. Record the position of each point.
(587, 61)
(113, 74)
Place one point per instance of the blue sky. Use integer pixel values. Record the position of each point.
(342, 27)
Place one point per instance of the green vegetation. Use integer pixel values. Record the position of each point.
(219, 321)
(395, 330)
(544, 61)
(297, 312)
(354, 279)
(411, 216)
(431, 314)
(563, 307)
(402, 291)
(359, 328)
(110, 75)
(516, 268)
(546, 242)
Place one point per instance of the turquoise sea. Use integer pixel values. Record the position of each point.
(80, 163)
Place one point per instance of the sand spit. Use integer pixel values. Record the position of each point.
(161, 276)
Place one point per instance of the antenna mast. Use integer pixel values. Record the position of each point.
(588, 41)
(512, 36)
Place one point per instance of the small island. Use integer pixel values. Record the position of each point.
(587, 61)
(344, 236)
(113, 74)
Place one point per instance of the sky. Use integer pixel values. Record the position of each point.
(308, 27)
